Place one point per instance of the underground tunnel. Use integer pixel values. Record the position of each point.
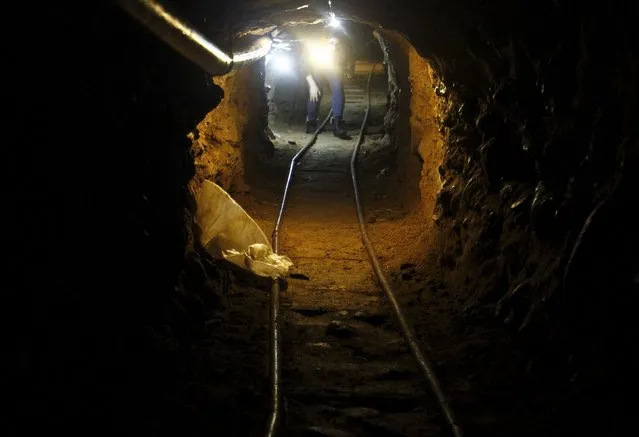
(496, 174)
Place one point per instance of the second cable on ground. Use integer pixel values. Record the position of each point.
(422, 360)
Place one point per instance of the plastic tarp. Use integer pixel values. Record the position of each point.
(229, 233)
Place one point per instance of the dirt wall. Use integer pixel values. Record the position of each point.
(418, 139)
(539, 160)
(238, 122)
(539, 163)
(427, 141)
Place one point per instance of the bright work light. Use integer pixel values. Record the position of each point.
(334, 22)
(322, 54)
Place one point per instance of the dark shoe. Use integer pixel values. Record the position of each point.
(339, 128)
(311, 126)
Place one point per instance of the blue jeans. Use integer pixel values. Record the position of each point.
(337, 97)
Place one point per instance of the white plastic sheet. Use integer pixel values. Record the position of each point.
(228, 232)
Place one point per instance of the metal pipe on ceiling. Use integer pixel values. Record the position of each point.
(190, 43)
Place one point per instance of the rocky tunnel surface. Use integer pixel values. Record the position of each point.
(499, 181)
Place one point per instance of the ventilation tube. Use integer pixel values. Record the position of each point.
(191, 44)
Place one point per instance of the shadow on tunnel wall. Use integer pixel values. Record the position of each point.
(97, 337)
(538, 187)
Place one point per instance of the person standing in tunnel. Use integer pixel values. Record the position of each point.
(330, 59)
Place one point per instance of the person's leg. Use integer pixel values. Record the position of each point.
(337, 95)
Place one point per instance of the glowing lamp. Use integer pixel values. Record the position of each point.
(334, 22)
(322, 54)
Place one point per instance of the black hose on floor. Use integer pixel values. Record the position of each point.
(275, 358)
(422, 360)
(276, 231)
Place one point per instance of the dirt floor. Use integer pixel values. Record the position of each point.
(347, 370)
